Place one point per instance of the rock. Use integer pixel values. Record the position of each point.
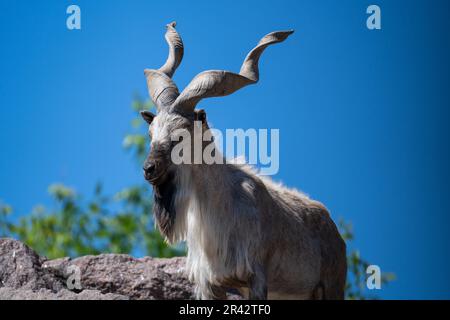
(145, 278)
(26, 275)
(20, 267)
(7, 293)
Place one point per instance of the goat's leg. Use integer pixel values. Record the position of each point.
(213, 292)
(218, 292)
(257, 285)
(318, 292)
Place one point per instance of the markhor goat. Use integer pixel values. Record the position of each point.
(242, 230)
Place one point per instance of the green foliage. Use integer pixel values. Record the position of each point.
(73, 226)
(5, 225)
(136, 140)
(122, 223)
(355, 288)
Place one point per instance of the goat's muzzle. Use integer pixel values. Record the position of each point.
(149, 170)
(154, 172)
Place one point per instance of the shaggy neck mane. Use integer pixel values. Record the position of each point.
(190, 189)
(203, 205)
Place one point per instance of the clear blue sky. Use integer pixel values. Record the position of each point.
(363, 115)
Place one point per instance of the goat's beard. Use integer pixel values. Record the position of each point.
(164, 205)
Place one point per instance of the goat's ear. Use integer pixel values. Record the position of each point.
(147, 116)
(200, 115)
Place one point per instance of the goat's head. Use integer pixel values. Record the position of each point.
(175, 111)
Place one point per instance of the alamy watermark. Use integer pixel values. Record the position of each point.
(255, 147)
(73, 21)
(74, 280)
(374, 277)
(373, 22)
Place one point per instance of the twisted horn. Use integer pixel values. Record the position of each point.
(161, 88)
(176, 50)
(217, 83)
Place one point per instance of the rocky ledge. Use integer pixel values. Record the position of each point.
(26, 275)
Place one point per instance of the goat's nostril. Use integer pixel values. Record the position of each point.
(149, 170)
